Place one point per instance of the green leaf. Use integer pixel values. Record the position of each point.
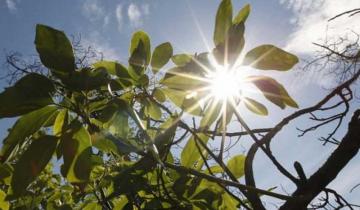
(212, 112)
(5, 172)
(161, 56)
(228, 52)
(24, 127)
(113, 68)
(181, 59)
(183, 100)
(31, 92)
(76, 150)
(242, 14)
(140, 53)
(188, 78)
(166, 132)
(236, 165)
(87, 79)
(223, 21)
(152, 110)
(273, 91)
(60, 121)
(55, 49)
(255, 106)
(159, 95)
(215, 169)
(32, 162)
(4, 205)
(269, 57)
(107, 142)
(190, 154)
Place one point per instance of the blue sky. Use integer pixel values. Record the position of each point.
(107, 26)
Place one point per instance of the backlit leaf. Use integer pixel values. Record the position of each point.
(242, 14)
(236, 165)
(269, 57)
(223, 21)
(181, 59)
(161, 56)
(255, 106)
(183, 100)
(190, 154)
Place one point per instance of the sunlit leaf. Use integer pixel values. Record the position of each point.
(178, 78)
(107, 142)
(161, 56)
(159, 95)
(242, 14)
(140, 53)
(269, 57)
(60, 121)
(31, 92)
(183, 100)
(4, 205)
(190, 155)
(152, 110)
(236, 165)
(24, 127)
(32, 162)
(255, 106)
(223, 21)
(55, 49)
(113, 68)
(227, 52)
(211, 113)
(181, 59)
(215, 169)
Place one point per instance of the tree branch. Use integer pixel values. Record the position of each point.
(347, 149)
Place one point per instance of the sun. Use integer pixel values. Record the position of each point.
(225, 84)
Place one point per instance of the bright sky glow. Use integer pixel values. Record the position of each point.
(225, 83)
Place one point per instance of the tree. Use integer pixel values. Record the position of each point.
(115, 128)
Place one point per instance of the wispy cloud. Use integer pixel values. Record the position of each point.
(119, 16)
(11, 5)
(136, 14)
(310, 20)
(94, 11)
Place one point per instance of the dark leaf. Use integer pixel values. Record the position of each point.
(55, 49)
(31, 92)
(32, 162)
(24, 127)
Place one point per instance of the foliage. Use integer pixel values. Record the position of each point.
(110, 128)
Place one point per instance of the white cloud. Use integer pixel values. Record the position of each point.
(136, 14)
(94, 11)
(311, 22)
(11, 5)
(119, 16)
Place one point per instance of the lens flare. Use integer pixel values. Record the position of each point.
(225, 84)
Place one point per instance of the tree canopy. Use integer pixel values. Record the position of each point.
(106, 135)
